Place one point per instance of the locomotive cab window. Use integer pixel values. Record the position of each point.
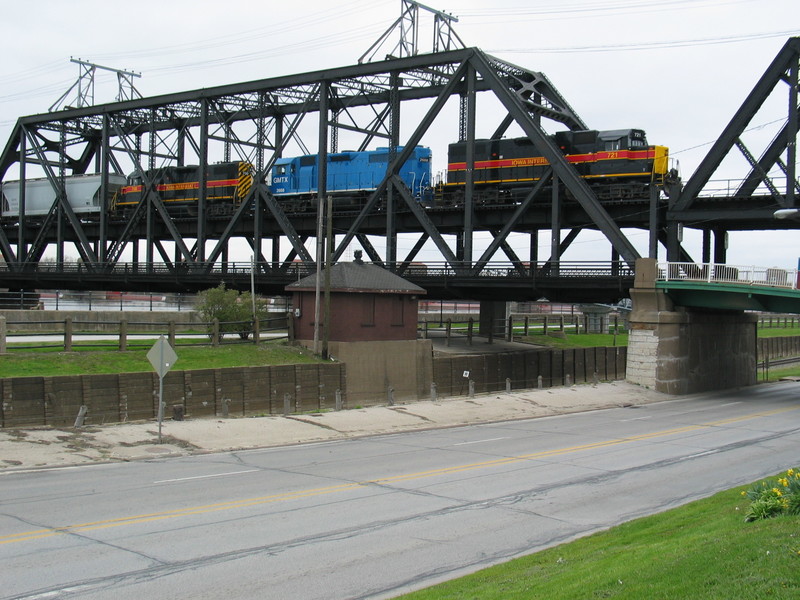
(613, 145)
(280, 170)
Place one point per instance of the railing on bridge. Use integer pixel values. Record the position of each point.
(721, 273)
(728, 188)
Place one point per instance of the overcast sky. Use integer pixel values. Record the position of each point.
(678, 69)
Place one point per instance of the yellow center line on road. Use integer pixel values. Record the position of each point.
(308, 493)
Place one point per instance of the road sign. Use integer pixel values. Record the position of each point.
(162, 356)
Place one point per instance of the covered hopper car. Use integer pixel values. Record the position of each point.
(83, 194)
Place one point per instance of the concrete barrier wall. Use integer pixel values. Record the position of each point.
(55, 401)
(490, 371)
(95, 320)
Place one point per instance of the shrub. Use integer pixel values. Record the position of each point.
(233, 310)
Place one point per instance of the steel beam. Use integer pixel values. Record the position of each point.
(394, 168)
(775, 73)
(513, 221)
(561, 167)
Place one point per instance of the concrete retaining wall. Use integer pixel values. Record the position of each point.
(55, 401)
(490, 371)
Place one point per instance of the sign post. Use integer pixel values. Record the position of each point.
(162, 357)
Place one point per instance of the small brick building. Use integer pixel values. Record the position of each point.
(368, 303)
(373, 330)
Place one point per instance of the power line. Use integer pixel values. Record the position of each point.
(617, 47)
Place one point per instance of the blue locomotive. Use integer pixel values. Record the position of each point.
(351, 177)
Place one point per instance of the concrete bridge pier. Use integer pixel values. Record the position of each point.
(680, 350)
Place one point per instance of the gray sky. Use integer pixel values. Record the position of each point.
(677, 68)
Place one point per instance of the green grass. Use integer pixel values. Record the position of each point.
(778, 332)
(24, 363)
(577, 340)
(701, 550)
(776, 374)
(592, 340)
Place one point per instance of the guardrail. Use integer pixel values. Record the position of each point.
(721, 273)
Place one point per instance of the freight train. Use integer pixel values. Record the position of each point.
(618, 165)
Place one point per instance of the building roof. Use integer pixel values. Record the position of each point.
(359, 277)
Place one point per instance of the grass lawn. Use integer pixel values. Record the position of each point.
(701, 550)
(24, 363)
(591, 340)
(577, 340)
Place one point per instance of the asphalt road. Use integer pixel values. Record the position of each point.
(374, 517)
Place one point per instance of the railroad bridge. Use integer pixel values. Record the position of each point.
(261, 121)
(153, 247)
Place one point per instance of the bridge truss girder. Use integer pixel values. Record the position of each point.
(257, 122)
(688, 207)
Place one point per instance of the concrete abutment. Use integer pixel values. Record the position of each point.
(680, 350)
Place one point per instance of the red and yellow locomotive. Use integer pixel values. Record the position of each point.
(617, 165)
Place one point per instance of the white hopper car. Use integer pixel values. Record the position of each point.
(83, 193)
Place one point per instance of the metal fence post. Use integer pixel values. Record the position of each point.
(68, 334)
(123, 335)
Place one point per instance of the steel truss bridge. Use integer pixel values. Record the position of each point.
(260, 121)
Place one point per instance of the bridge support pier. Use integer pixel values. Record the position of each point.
(679, 350)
